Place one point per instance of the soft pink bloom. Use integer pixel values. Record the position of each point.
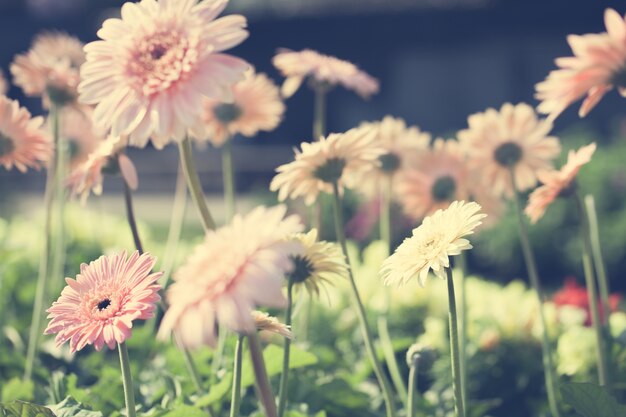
(237, 268)
(100, 305)
(557, 182)
(107, 157)
(324, 70)
(510, 139)
(598, 65)
(82, 137)
(256, 106)
(23, 142)
(153, 67)
(50, 68)
(4, 85)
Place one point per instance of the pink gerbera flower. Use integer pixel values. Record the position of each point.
(598, 65)
(237, 268)
(23, 142)
(323, 70)
(256, 106)
(555, 183)
(153, 67)
(100, 305)
(50, 68)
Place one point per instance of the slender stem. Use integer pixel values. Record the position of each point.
(385, 214)
(130, 215)
(228, 175)
(412, 387)
(454, 348)
(365, 330)
(592, 292)
(129, 393)
(284, 376)
(235, 401)
(176, 225)
(218, 355)
(319, 115)
(260, 374)
(193, 181)
(390, 358)
(462, 261)
(531, 267)
(598, 260)
(42, 276)
(58, 263)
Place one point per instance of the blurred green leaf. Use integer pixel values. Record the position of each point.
(590, 400)
(69, 407)
(18, 389)
(23, 409)
(186, 411)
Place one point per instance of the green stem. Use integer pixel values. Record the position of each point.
(412, 388)
(598, 260)
(130, 215)
(193, 181)
(58, 263)
(284, 376)
(176, 225)
(531, 267)
(236, 394)
(260, 373)
(592, 292)
(129, 393)
(454, 348)
(365, 330)
(228, 175)
(385, 215)
(462, 261)
(319, 113)
(390, 358)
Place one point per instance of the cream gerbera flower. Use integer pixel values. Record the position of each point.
(268, 323)
(338, 158)
(598, 66)
(557, 183)
(432, 243)
(401, 144)
(511, 139)
(320, 262)
(325, 71)
(256, 106)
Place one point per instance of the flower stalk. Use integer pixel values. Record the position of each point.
(413, 373)
(598, 260)
(319, 112)
(284, 376)
(235, 402)
(260, 373)
(127, 379)
(130, 215)
(228, 176)
(459, 397)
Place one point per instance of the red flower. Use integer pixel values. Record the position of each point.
(575, 295)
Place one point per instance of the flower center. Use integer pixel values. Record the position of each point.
(302, 269)
(6, 145)
(619, 78)
(104, 304)
(389, 162)
(227, 112)
(330, 171)
(60, 95)
(444, 188)
(508, 154)
(73, 147)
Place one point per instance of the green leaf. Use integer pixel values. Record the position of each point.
(69, 407)
(18, 389)
(23, 409)
(590, 400)
(186, 411)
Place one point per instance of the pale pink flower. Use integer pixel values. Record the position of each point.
(4, 85)
(50, 69)
(338, 158)
(78, 131)
(23, 142)
(256, 106)
(401, 144)
(108, 157)
(100, 305)
(153, 67)
(325, 71)
(237, 268)
(598, 66)
(510, 139)
(555, 183)
(265, 322)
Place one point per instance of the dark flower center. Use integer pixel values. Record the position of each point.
(112, 166)
(73, 147)
(619, 78)
(60, 96)
(389, 162)
(102, 305)
(508, 154)
(227, 112)
(302, 269)
(6, 145)
(331, 170)
(444, 188)
(157, 51)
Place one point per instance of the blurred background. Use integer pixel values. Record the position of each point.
(437, 61)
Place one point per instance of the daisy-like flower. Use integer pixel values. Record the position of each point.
(557, 183)
(511, 139)
(256, 106)
(432, 243)
(100, 305)
(50, 69)
(4, 85)
(23, 142)
(238, 267)
(153, 67)
(401, 144)
(598, 66)
(265, 322)
(81, 136)
(338, 158)
(107, 158)
(319, 263)
(324, 71)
